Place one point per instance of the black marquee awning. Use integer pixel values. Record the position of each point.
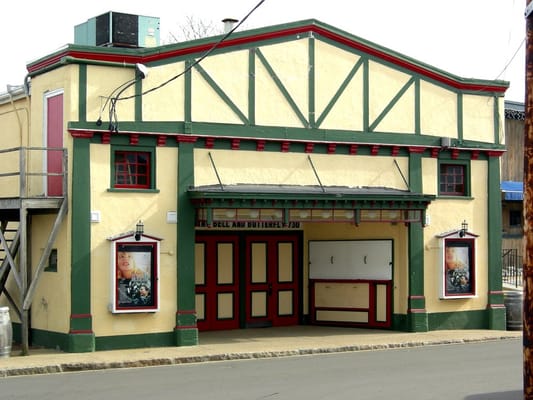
(215, 201)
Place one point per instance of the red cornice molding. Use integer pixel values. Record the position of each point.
(344, 40)
(285, 144)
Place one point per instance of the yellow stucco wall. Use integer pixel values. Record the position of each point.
(438, 111)
(51, 306)
(295, 169)
(446, 215)
(384, 83)
(119, 214)
(14, 119)
(478, 118)
(331, 69)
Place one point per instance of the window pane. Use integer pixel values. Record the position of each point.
(132, 169)
(452, 180)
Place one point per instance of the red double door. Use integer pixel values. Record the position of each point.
(246, 280)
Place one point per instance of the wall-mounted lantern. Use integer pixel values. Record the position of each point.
(139, 230)
(464, 229)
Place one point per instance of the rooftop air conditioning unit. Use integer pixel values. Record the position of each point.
(115, 29)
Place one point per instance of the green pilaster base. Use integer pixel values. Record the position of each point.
(186, 336)
(186, 331)
(81, 343)
(497, 317)
(418, 321)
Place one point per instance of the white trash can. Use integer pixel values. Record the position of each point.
(6, 333)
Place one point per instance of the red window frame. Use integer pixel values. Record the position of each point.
(132, 169)
(452, 180)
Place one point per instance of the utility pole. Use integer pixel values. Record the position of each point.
(528, 211)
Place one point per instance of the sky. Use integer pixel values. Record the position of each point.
(481, 39)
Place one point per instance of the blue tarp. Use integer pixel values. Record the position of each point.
(512, 190)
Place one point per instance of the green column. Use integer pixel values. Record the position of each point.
(186, 330)
(81, 336)
(495, 303)
(417, 318)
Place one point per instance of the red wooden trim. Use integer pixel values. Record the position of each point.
(337, 37)
(80, 331)
(80, 316)
(353, 149)
(161, 140)
(180, 327)
(416, 149)
(331, 148)
(416, 310)
(185, 312)
(81, 134)
(260, 145)
(134, 139)
(186, 139)
(209, 142)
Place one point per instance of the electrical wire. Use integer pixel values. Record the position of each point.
(113, 120)
(199, 60)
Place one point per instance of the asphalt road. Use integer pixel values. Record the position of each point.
(476, 371)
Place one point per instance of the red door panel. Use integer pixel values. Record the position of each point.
(54, 139)
(271, 280)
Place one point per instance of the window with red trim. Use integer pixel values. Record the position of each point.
(132, 169)
(452, 180)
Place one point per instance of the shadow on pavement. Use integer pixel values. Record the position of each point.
(511, 395)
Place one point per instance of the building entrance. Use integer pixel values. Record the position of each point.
(248, 279)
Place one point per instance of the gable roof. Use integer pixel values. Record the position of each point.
(252, 38)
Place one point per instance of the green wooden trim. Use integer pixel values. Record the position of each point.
(391, 104)
(418, 112)
(497, 127)
(366, 95)
(186, 330)
(340, 91)
(311, 83)
(417, 318)
(497, 317)
(417, 322)
(153, 163)
(80, 288)
(475, 319)
(282, 88)
(278, 134)
(146, 340)
(225, 98)
(188, 92)
(82, 87)
(460, 117)
(251, 86)
(494, 218)
(415, 172)
(223, 198)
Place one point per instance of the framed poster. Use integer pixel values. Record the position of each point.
(459, 277)
(135, 276)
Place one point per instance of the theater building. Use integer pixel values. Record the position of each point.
(293, 174)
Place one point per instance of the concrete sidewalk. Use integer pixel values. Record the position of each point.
(243, 344)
